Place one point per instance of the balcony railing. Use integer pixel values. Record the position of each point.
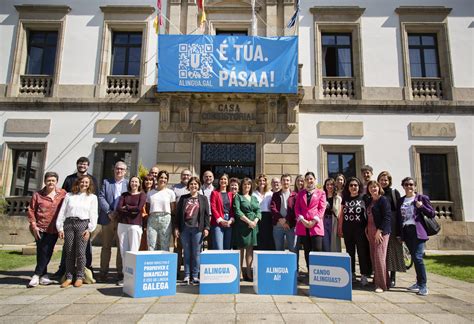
(427, 88)
(17, 206)
(36, 85)
(122, 86)
(338, 88)
(443, 209)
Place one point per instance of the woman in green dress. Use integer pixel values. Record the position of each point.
(247, 215)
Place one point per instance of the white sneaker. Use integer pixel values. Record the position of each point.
(120, 283)
(44, 280)
(363, 280)
(34, 281)
(378, 290)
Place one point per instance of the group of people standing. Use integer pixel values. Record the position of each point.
(146, 214)
(375, 220)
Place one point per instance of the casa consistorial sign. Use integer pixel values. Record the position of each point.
(229, 112)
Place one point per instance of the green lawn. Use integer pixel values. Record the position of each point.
(14, 259)
(459, 267)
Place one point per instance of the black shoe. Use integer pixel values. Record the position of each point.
(392, 279)
(57, 275)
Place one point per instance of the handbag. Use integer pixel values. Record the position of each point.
(430, 224)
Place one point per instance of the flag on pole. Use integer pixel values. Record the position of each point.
(293, 19)
(254, 19)
(200, 4)
(158, 19)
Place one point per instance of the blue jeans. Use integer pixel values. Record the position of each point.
(327, 234)
(417, 249)
(191, 239)
(279, 234)
(221, 237)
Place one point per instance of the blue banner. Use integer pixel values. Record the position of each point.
(205, 63)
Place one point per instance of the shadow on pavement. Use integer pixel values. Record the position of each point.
(112, 291)
(15, 277)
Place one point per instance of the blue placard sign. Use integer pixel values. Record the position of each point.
(219, 272)
(205, 63)
(149, 273)
(330, 275)
(274, 273)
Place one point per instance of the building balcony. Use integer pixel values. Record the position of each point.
(444, 209)
(427, 88)
(338, 88)
(36, 85)
(123, 86)
(17, 205)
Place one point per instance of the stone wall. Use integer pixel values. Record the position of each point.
(15, 230)
(268, 121)
(453, 236)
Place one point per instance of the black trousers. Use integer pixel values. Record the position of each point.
(44, 251)
(354, 238)
(265, 239)
(310, 244)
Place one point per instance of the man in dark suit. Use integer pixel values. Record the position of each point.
(109, 196)
(82, 165)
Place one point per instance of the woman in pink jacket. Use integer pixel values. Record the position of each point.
(309, 212)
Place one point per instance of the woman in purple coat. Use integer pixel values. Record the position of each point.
(411, 208)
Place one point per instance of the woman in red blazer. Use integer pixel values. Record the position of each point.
(309, 212)
(222, 215)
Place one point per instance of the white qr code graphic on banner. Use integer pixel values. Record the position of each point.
(195, 61)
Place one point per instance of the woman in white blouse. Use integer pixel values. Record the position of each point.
(77, 219)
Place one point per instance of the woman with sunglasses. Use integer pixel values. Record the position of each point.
(353, 221)
(411, 208)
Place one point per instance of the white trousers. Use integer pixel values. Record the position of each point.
(129, 238)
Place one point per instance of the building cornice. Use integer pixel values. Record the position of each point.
(337, 10)
(231, 9)
(127, 9)
(42, 8)
(392, 106)
(423, 10)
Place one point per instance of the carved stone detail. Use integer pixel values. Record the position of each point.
(291, 112)
(427, 88)
(165, 113)
(338, 87)
(272, 116)
(184, 116)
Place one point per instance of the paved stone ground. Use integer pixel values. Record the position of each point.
(450, 301)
